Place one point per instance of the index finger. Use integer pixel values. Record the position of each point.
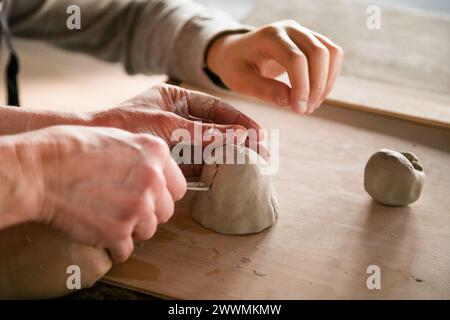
(283, 50)
(213, 109)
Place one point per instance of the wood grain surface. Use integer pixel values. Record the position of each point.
(329, 230)
(423, 107)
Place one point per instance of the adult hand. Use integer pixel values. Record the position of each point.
(159, 110)
(248, 63)
(100, 186)
(164, 108)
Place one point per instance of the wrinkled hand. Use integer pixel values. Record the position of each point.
(248, 63)
(164, 108)
(103, 186)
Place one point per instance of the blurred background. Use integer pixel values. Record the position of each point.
(240, 8)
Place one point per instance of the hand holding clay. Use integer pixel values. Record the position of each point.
(99, 186)
(241, 200)
(394, 178)
(37, 263)
(164, 108)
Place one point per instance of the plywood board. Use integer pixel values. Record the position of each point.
(394, 101)
(329, 230)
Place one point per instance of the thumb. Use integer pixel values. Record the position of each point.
(202, 134)
(207, 133)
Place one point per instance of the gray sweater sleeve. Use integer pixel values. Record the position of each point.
(147, 36)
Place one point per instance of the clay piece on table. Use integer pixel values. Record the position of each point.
(394, 178)
(36, 263)
(241, 200)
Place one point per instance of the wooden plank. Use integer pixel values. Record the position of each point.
(329, 230)
(394, 101)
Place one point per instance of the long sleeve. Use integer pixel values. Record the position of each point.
(147, 36)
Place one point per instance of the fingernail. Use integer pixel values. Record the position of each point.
(301, 106)
(311, 107)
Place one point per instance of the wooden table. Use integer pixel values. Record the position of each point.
(329, 230)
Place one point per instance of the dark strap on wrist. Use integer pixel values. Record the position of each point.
(12, 70)
(215, 78)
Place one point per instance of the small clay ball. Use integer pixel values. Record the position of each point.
(394, 178)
